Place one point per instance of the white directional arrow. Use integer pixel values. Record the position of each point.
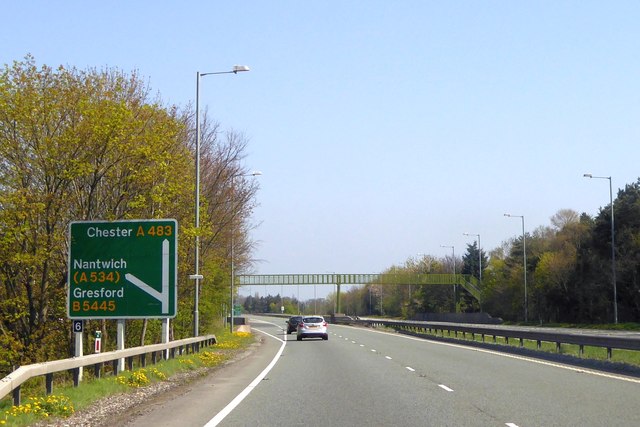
(162, 296)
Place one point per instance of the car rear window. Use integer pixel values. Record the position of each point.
(313, 320)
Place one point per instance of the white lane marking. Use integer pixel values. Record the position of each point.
(353, 342)
(511, 425)
(511, 356)
(373, 350)
(387, 357)
(239, 398)
(444, 387)
(361, 345)
(409, 368)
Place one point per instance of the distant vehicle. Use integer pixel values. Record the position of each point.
(292, 323)
(312, 327)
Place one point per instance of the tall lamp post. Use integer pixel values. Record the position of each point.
(524, 250)
(479, 256)
(233, 215)
(613, 247)
(455, 283)
(197, 276)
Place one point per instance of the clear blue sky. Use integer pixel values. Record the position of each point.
(383, 129)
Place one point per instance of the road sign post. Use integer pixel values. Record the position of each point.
(123, 269)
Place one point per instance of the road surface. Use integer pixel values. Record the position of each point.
(363, 377)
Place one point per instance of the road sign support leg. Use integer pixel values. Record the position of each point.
(165, 335)
(78, 350)
(120, 342)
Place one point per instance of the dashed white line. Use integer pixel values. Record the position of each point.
(373, 350)
(511, 425)
(409, 368)
(387, 357)
(361, 345)
(444, 387)
(513, 356)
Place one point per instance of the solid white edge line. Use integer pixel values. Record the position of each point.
(239, 398)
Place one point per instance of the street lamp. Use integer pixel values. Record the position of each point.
(197, 276)
(454, 275)
(613, 247)
(479, 256)
(254, 173)
(524, 250)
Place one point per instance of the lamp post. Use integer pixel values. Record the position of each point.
(233, 215)
(479, 256)
(524, 250)
(455, 283)
(613, 247)
(197, 276)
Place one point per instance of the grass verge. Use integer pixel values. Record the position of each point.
(36, 407)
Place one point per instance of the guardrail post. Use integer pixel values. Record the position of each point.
(557, 347)
(521, 342)
(16, 396)
(154, 357)
(608, 353)
(76, 377)
(96, 370)
(49, 384)
(143, 360)
(115, 367)
(130, 363)
(538, 344)
(580, 350)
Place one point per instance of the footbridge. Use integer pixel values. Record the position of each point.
(466, 281)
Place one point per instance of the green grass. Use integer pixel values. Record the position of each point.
(67, 399)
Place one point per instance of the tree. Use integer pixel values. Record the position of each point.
(627, 247)
(85, 145)
(474, 262)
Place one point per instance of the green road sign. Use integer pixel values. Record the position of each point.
(237, 310)
(123, 269)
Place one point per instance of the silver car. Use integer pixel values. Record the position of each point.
(312, 327)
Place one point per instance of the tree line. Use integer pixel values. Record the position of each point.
(95, 145)
(568, 265)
